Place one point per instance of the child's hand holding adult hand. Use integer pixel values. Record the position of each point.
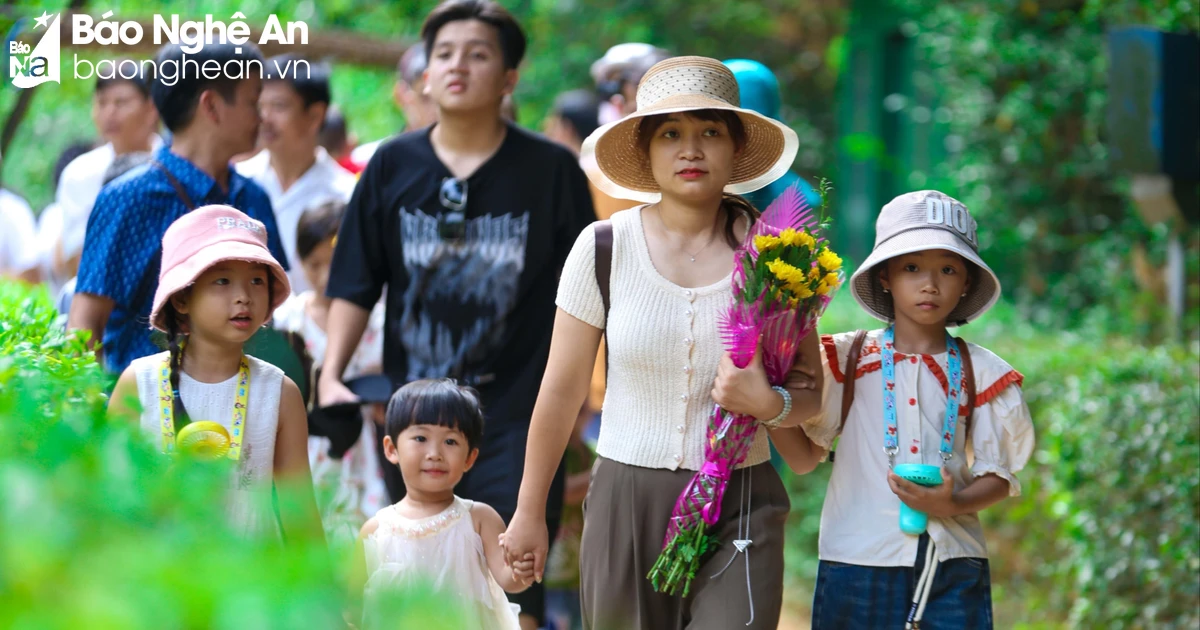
(523, 569)
(936, 501)
(526, 537)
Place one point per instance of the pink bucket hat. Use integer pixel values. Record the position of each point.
(205, 237)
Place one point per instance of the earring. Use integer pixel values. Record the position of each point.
(886, 291)
(964, 294)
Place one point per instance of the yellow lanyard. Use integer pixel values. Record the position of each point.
(206, 439)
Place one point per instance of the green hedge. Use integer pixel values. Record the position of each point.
(99, 530)
(1107, 531)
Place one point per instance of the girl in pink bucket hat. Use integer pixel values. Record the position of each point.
(908, 401)
(204, 397)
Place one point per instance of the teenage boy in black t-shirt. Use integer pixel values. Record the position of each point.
(467, 224)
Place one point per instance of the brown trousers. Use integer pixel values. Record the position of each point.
(625, 518)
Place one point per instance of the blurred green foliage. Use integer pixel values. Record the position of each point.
(1026, 84)
(1106, 533)
(99, 530)
(565, 37)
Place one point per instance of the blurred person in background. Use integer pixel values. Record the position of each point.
(617, 75)
(211, 120)
(126, 120)
(760, 92)
(410, 96)
(337, 140)
(293, 168)
(50, 224)
(18, 238)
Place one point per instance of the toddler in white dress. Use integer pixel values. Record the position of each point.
(431, 536)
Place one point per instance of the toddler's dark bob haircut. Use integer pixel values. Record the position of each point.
(440, 402)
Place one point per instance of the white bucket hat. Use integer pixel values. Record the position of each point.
(682, 84)
(920, 221)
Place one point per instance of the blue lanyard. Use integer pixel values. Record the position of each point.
(890, 430)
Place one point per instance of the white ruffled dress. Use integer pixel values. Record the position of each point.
(443, 551)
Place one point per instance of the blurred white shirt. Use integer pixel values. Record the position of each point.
(19, 249)
(324, 181)
(78, 188)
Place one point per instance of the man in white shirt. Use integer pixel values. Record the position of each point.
(293, 168)
(126, 119)
(18, 243)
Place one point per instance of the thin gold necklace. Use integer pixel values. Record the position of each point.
(712, 237)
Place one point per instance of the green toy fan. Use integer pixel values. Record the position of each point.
(914, 522)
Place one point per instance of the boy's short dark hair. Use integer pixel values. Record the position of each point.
(317, 225)
(512, 38)
(333, 133)
(309, 80)
(440, 402)
(68, 155)
(176, 102)
(581, 109)
(125, 73)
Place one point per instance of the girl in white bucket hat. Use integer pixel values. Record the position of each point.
(654, 281)
(907, 400)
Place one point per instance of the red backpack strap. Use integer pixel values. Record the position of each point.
(850, 373)
(968, 382)
(604, 250)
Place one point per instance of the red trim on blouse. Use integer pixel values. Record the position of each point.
(874, 366)
(832, 356)
(986, 396)
(938, 372)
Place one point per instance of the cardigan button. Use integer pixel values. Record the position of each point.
(678, 458)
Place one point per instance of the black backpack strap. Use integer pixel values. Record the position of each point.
(179, 190)
(604, 251)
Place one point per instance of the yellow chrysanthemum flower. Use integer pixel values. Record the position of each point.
(803, 291)
(814, 274)
(832, 280)
(785, 272)
(829, 260)
(764, 242)
(804, 239)
(788, 236)
(823, 288)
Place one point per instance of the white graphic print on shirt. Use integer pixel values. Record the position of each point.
(459, 294)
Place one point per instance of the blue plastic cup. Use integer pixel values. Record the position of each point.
(914, 522)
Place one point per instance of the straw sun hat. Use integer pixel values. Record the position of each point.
(682, 84)
(920, 221)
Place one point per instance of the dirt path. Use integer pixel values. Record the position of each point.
(793, 618)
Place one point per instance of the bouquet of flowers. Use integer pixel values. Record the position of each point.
(784, 277)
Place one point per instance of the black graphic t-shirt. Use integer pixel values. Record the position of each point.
(469, 297)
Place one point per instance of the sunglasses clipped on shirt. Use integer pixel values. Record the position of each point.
(452, 225)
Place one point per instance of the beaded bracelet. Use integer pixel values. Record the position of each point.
(774, 423)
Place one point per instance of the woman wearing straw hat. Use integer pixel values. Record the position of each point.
(686, 153)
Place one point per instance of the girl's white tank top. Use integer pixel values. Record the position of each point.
(249, 507)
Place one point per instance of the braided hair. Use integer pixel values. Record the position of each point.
(176, 339)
